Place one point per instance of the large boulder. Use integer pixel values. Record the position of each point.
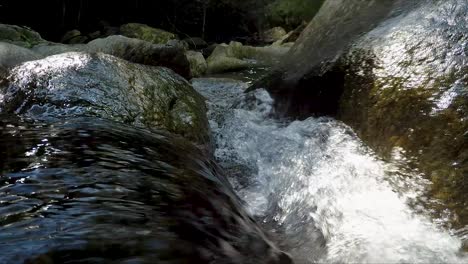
(198, 65)
(74, 37)
(20, 36)
(12, 55)
(333, 29)
(273, 35)
(146, 33)
(134, 50)
(88, 190)
(82, 84)
(406, 93)
(396, 72)
(236, 56)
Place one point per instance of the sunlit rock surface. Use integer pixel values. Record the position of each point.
(134, 50)
(81, 84)
(406, 88)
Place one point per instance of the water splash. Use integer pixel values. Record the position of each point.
(327, 197)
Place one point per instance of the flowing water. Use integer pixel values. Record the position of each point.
(323, 194)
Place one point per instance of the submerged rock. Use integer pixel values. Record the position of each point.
(95, 191)
(81, 84)
(146, 33)
(20, 36)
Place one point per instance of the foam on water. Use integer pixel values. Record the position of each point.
(316, 185)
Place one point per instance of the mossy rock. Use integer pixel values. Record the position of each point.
(134, 50)
(405, 88)
(198, 65)
(12, 55)
(81, 84)
(146, 33)
(20, 36)
(235, 56)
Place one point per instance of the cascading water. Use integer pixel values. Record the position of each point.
(319, 189)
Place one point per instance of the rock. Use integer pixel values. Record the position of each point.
(394, 71)
(20, 36)
(147, 33)
(94, 35)
(143, 52)
(222, 60)
(178, 43)
(198, 65)
(74, 37)
(209, 50)
(12, 55)
(235, 56)
(120, 194)
(133, 50)
(50, 48)
(406, 93)
(300, 83)
(80, 84)
(196, 43)
(273, 34)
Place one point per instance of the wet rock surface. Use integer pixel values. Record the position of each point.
(402, 85)
(82, 84)
(405, 90)
(95, 191)
(130, 49)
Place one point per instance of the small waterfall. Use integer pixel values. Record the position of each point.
(319, 189)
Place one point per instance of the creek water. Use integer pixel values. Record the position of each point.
(324, 195)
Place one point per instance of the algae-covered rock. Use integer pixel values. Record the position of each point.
(133, 50)
(273, 34)
(81, 84)
(396, 72)
(198, 65)
(146, 33)
(20, 36)
(236, 56)
(406, 90)
(143, 52)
